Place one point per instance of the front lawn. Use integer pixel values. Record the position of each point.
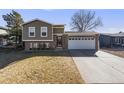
(41, 67)
(115, 51)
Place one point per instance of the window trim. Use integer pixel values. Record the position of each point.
(31, 31)
(44, 31)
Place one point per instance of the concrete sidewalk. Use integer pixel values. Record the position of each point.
(102, 68)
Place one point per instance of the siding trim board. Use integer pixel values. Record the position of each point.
(58, 27)
(37, 40)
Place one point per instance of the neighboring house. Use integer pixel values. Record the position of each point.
(112, 40)
(39, 34)
(3, 36)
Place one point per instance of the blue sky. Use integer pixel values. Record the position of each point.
(113, 20)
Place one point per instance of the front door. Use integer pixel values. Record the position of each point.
(59, 41)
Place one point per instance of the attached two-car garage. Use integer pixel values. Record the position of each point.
(83, 40)
(79, 42)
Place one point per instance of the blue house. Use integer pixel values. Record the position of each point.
(111, 40)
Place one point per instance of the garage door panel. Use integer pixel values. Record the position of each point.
(81, 44)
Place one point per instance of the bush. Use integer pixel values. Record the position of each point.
(19, 46)
(9, 44)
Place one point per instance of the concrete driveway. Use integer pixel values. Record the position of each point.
(99, 67)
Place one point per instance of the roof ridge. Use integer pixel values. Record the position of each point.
(42, 21)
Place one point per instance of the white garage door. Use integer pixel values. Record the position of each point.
(81, 43)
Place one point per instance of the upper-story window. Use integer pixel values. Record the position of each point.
(43, 31)
(31, 31)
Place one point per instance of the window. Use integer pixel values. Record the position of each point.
(30, 45)
(121, 40)
(82, 38)
(117, 40)
(78, 38)
(47, 45)
(41, 45)
(69, 38)
(92, 38)
(88, 38)
(35, 45)
(43, 31)
(85, 38)
(31, 31)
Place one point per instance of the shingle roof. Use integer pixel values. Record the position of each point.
(42, 21)
(3, 28)
(120, 34)
(36, 19)
(3, 31)
(74, 33)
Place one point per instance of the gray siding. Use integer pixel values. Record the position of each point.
(104, 41)
(58, 30)
(37, 24)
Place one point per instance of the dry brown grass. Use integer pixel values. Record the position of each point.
(43, 67)
(115, 51)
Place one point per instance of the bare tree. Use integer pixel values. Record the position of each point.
(85, 20)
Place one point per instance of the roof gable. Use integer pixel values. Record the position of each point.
(37, 20)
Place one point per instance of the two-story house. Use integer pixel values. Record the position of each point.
(38, 34)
